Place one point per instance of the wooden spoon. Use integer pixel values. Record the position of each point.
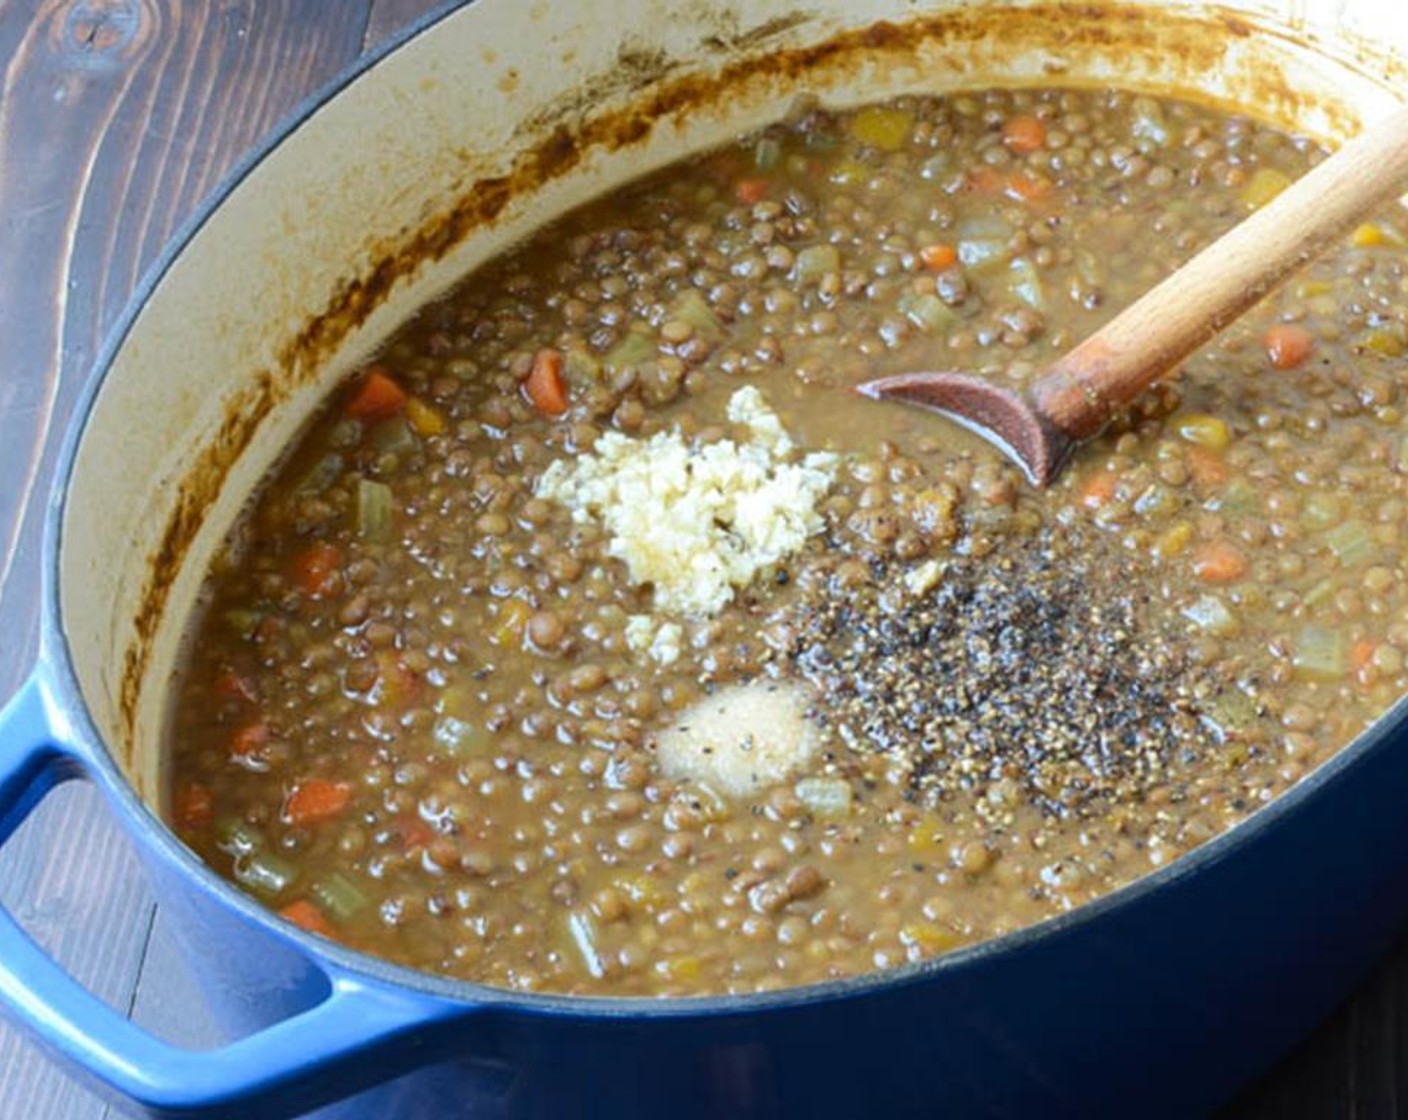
(1075, 398)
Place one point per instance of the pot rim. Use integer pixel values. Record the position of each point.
(55, 662)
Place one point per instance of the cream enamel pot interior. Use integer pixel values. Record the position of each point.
(483, 124)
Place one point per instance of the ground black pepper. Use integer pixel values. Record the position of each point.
(1029, 672)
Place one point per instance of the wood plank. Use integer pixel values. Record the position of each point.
(390, 16)
(116, 118)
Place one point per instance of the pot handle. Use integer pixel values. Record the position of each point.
(361, 1033)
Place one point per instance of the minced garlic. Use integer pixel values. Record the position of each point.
(660, 640)
(697, 521)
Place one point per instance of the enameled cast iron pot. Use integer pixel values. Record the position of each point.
(482, 124)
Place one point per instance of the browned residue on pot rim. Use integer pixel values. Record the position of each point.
(568, 132)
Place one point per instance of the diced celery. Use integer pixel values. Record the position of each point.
(1321, 510)
(393, 435)
(374, 511)
(986, 227)
(1024, 282)
(1090, 268)
(339, 896)
(456, 735)
(265, 873)
(1352, 542)
(322, 474)
(637, 346)
(982, 253)
(347, 432)
(828, 798)
(1238, 496)
(1149, 123)
(1232, 711)
(936, 166)
(1320, 654)
(814, 262)
(236, 837)
(1211, 615)
(691, 307)
(767, 153)
(580, 366)
(1319, 593)
(928, 311)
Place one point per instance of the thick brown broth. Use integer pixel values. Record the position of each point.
(419, 714)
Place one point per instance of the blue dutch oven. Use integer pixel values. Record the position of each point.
(1159, 999)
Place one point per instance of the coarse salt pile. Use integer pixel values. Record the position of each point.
(698, 521)
(742, 739)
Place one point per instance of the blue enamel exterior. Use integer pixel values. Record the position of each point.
(1157, 1001)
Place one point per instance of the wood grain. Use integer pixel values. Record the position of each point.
(116, 118)
(390, 16)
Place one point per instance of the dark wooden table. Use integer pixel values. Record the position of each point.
(116, 118)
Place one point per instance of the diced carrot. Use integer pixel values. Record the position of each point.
(751, 191)
(305, 915)
(316, 800)
(545, 387)
(230, 685)
(1098, 489)
(396, 686)
(1206, 466)
(1287, 345)
(317, 569)
(377, 397)
(938, 256)
(415, 833)
(195, 806)
(1361, 654)
(1023, 134)
(1219, 561)
(248, 738)
(1028, 188)
(986, 180)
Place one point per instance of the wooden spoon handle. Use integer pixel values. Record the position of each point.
(1147, 339)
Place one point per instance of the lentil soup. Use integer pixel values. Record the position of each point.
(599, 639)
